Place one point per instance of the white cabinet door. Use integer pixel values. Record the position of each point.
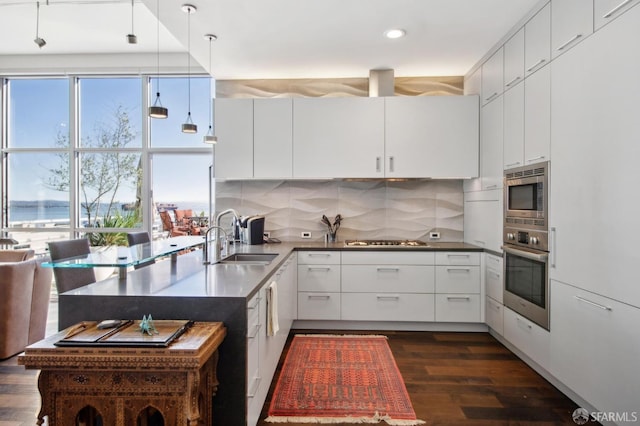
(387, 307)
(493, 277)
(514, 127)
(606, 11)
(234, 128)
(494, 315)
(537, 41)
(537, 116)
(531, 339)
(491, 143)
(319, 278)
(593, 198)
(457, 307)
(571, 22)
(483, 213)
(431, 136)
(492, 77)
(388, 278)
(272, 138)
(338, 137)
(318, 306)
(514, 60)
(595, 348)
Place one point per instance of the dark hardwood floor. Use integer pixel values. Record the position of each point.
(452, 378)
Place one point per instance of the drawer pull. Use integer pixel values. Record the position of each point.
(387, 297)
(466, 298)
(319, 254)
(615, 9)
(568, 42)
(512, 81)
(387, 269)
(493, 95)
(458, 269)
(458, 255)
(256, 381)
(494, 273)
(319, 296)
(496, 307)
(597, 305)
(255, 305)
(536, 65)
(518, 319)
(318, 268)
(256, 329)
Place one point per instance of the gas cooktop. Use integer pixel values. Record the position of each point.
(385, 243)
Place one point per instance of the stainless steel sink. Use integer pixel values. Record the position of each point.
(250, 258)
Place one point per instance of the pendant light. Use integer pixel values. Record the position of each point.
(188, 126)
(131, 38)
(157, 110)
(38, 40)
(210, 137)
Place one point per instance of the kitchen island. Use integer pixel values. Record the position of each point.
(222, 292)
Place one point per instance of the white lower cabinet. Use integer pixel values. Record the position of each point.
(458, 287)
(531, 339)
(318, 306)
(254, 325)
(494, 310)
(494, 315)
(595, 348)
(387, 307)
(319, 285)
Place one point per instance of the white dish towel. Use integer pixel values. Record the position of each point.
(272, 309)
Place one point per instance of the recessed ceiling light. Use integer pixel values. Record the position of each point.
(395, 33)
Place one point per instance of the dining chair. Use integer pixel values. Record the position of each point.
(168, 225)
(135, 238)
(71, 278)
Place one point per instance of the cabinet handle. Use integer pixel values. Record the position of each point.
(491, 186)
(496, 274)
(540, 157)
(524, 322)
(387, 269)
(391, 161)
(552, 264)
(597, 305)
(459, 269)
(512, 81)
(317, 268)
(517, 163)
(319, 254)
(568, 42)
(387, 297)
(256, 380)
(536, 65)
(319, 296)
(377, 164)
(466, 298)
(458, 255)
(255, 332)
(615, 9)
(493, 95)
(495, 306)
(255, 305)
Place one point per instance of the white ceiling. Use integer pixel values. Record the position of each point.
(271, 38)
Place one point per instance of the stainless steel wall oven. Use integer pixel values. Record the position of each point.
(526, 248)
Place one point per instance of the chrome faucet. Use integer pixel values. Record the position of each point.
(218, 250)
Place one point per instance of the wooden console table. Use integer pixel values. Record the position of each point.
(126, 386)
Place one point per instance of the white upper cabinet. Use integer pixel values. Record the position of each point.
(571, 22)
(273, 138)
(537, 41)
(234, 128)
(492, 77)
(537, 117)
(483, 219)
(431, 136)
(473, 83)
(606, 11)
(491, 145)
(338, 137)
(514, 127)
(514, 60)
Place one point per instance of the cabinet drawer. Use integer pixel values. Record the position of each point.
(388, 278)
(319, 278)
(387, 258)
(493, 277)
(458, 279)
(494, 315)
(458, 307)
(319, 258)
(387, 307)
(319, 306)
(531, 339)
(461, 258)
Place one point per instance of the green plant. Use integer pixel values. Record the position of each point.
(114, 238)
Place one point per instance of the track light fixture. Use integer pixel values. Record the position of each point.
(210, 137)
(131, 38)
(188, 126)
(38, 40)
(157, 110)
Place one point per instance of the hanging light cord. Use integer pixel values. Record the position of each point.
(189, 59)
(158, 46)
(209, 96)
(37, 19)
(132, 32)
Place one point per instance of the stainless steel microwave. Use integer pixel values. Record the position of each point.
(526, 197)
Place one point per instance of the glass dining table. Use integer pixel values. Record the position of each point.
(124, 257)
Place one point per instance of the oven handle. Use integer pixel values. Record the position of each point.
(540, 257)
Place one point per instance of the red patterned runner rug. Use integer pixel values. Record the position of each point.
(340, 379)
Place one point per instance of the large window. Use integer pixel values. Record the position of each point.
(77, 151)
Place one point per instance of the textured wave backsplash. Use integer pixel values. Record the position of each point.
(370, 209)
